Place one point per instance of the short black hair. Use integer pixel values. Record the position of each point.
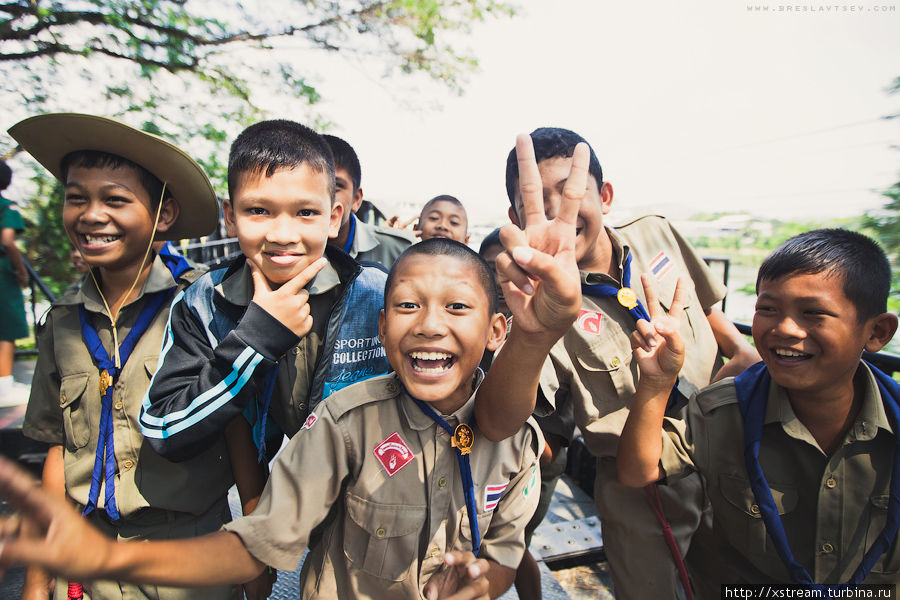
(345, 158)
(454, 249)
(445, 198)
(98, 159)
(5, 175)
(491, 239)
(267, 146)
(549, 142)
(857, 260)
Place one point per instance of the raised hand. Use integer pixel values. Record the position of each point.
(290, 302)
(658, 346)
(462, 577)
(538, 271)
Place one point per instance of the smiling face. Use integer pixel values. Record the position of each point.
(807, 332)
(444, 219)
(109, 217)
(283, 222)
(435, 327)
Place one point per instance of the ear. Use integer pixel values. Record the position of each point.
(466, 241)
(168, 214)
(334, 225)
(606, 197)
(357, 200)
(882, 329)
(381, 326)
(496, 331)
(228, 213)
(513, 217)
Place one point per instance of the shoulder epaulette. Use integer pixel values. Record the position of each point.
(642, 218)
(359, 394)
(715, 395)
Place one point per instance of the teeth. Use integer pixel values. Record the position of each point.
(429, 356)
(100, 239)
(783, 352)
(434, 370)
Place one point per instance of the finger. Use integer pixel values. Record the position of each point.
(260, 283)
(477, 568)
(408, 222)
(644, 335)
(530, 186)
(293, 286)
(650, 295)
(392, 222)
(510, 276)
(576, 185)
(680, 299)
(560, 283)
(22, 491)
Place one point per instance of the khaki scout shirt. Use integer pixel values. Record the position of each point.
(591, 365)
(832, 507)
(64, 408)
(378, 244)
(384, 535)
(294, 378)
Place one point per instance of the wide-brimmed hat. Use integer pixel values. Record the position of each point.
(49, 138)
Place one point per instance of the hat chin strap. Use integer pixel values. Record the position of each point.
(113, 318)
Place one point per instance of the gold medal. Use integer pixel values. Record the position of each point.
(104, 381)
(627, 298)
(463, 437)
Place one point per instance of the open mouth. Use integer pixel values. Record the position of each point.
(431, 362)
(90, 240)
(788, 355)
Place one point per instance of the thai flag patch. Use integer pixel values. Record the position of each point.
(492, 495)
(661, 265)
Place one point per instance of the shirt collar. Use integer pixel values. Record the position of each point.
(237, 287)
(419, 421)
(364, 239)
(621, 250)
(159, 279)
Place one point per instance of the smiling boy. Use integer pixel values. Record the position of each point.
(443, 216)
(798, 453)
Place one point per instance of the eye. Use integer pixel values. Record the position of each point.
(75, 199)
(764, 308)
(406, 305)
(458, 306)
(307, 212)
(257, 211)
(117, 200)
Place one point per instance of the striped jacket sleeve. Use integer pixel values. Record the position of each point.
(199, 387)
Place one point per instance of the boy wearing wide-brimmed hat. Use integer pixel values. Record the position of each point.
(98, 347)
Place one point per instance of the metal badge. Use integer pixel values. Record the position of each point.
(627, 298)
(105, 381)
(463, 438)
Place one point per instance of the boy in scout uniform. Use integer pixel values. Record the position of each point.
(99, 346)
(443, 216)
(799, 453)
(591, 367)
(362, 241)
(393, 472)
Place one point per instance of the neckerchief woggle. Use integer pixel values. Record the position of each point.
(465, 470)
(752, 387)
(105, 460)
(351, 235)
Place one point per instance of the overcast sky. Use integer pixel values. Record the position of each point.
(695, 105)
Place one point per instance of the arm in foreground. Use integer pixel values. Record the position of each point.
(733, 345)
(539, 276)
(56, 536)
(659, 351)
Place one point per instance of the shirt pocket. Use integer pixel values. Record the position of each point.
(888, 562)
(73, 403)
(743, 516)
(465, 528)
(608, 365)
(381, 539)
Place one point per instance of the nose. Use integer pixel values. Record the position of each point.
(788, 327)
(283, 230)
(431, 323)
(551, 206)
(94, 212)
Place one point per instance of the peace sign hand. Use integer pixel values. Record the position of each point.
(538, 272)
(658, 346)
(289, 303)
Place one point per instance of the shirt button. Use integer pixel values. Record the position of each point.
(62, 398)
(754, 509)
(435, 551)
(830, 483)
(295, 350)
(380, 532)
(615, 361)
(128, 464)
(118, 405)
(827, 548)
(442, 482)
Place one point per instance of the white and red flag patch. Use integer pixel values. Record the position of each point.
(393, 453)
(661, 265)
(589, 321)
(492, 495)
(310, 421)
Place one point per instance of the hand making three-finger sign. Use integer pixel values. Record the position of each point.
(289, 303)
(658, 346)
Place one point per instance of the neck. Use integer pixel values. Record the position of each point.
(828, 415)
(342, 235)
(602, 259)
(115, 284)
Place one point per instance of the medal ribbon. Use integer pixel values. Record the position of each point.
(351, 235)
(465, 471)
(752, 387)
(106, 466)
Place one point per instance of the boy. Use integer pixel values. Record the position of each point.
(364, 242)
(99, 346)
(591, 367)
(443, 216)
(375, 469)
(12, 277)
(798, 453)
(286, 324)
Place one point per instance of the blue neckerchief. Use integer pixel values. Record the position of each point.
(465, 471)
(174, 261)
(260, 426)
(106, 467)
(350, 235)
(601, 290)
(752, 387)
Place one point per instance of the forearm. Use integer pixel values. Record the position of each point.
(507, 395)
(640, 446)
(249, 474)
(15, 257)
(499, 579)
(53, 480)
(732, 344)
